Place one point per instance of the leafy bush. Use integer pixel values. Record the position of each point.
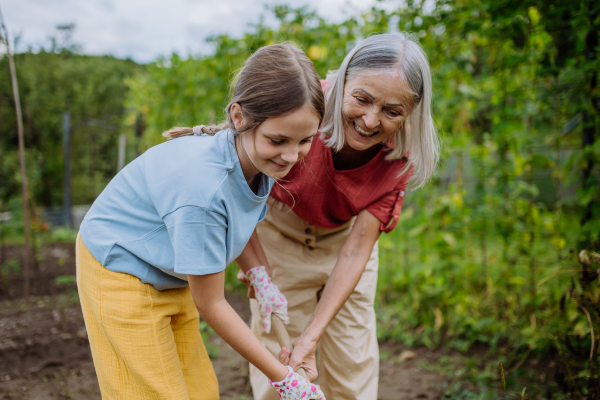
(65, 280)
(63, 235)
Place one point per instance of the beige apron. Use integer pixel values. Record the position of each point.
(301, 257)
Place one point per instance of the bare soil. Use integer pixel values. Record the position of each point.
(45, 354)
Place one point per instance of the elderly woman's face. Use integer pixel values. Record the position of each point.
(375, 106)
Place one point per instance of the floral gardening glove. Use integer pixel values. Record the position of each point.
(295, 387)
(269, 298)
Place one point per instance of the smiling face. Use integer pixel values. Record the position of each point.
(375, 106)
(276, 144)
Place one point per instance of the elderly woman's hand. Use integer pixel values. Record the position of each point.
(303, 356)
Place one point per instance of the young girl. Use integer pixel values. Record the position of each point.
(153, 248)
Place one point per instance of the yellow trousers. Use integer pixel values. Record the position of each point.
(145, 343)
(301, 257)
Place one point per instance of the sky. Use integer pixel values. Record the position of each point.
(146, 29)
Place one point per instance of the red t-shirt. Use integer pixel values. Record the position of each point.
(328, 198)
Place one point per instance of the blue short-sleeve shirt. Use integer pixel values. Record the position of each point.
(183, 207)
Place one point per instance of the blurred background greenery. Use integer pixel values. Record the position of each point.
(487, 255)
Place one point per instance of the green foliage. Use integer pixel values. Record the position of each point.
(63, 235)
(9, 267)
(67, 299)
(580, 308)
(457, 392)
(12, 224)
(65, 280)
(92, 89)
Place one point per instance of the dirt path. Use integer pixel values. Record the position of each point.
(44, 352)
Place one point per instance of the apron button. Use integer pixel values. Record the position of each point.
(308, 230)
(307, 241)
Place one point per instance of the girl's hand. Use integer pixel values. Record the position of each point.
(295, 387)
(241, 276)
(270, 299)
(302, 357)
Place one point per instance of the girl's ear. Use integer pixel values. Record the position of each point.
(236, 115)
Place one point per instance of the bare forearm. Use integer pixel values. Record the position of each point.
(208, 294)
(253, 255)
(230, 327)
(348, 270)
(339, 287)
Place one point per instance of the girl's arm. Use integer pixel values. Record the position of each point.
(208, 294)
(258, 281)
(348, 270)
(252, 256)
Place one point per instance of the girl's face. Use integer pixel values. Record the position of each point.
(375, 106)
(278, 143)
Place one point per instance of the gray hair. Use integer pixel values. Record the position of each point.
(390, 51)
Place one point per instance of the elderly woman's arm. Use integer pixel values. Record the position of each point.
(348, 270)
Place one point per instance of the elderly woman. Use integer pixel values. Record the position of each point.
(318, 241)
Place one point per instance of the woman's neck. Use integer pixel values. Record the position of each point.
(349, 158)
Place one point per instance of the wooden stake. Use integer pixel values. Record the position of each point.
(13, 75)
(67, 169)
(284, 339)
